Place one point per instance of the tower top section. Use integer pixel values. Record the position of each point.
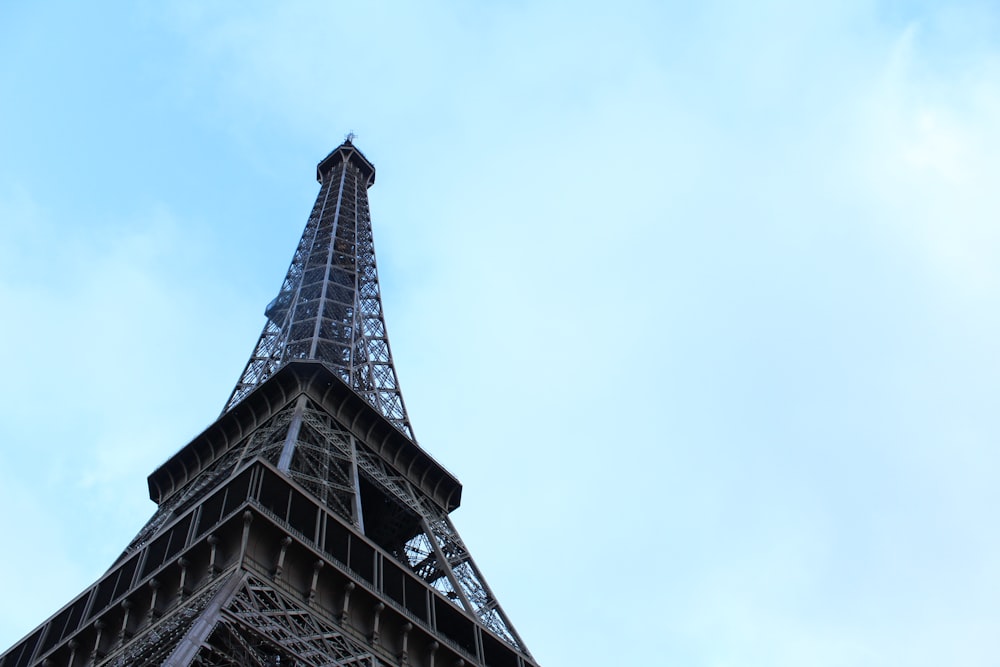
(346, 152)
(329, 307)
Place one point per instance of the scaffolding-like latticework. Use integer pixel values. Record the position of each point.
(329, 307)
(344, 499)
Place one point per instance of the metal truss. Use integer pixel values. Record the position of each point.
(310, 446)
(176, 504)
(329, 307)
(262, 627)
(156, 644)
(240, 621)
(322, 462)
(326, 459)
(436, 552)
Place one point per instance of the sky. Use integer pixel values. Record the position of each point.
(700, 301)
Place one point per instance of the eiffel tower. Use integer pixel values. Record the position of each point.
(305, 526)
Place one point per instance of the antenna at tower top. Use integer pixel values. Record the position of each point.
(350, 137)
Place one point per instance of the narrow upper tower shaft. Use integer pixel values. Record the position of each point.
(329, 307)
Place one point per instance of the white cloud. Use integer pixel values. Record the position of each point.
(930, 144)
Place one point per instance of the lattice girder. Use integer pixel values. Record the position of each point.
(457, 566)
(329, 306)
(313, 575)
(258, 614)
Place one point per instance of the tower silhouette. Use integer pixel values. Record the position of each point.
(305, 526)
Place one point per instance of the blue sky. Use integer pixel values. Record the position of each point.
(699, 301)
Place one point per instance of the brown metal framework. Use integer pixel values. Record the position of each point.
(305, 526)
(329, 307)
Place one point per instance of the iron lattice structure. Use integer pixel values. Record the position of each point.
(329, 307)
(305, 526)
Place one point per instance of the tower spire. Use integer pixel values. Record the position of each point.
(329, 307)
